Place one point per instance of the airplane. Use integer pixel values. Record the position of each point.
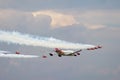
(7, 54)
(93, 48)
(61, 53)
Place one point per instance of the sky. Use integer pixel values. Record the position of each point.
(94, 22)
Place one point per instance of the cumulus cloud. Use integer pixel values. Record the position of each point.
(23, 21)
(97, 19)
(58, 19)
(94, 26)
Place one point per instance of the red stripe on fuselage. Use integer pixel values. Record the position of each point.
(60, 52)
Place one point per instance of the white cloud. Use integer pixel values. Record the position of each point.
(94, 26)
(95, 19)
(58, 19)
(98, 18)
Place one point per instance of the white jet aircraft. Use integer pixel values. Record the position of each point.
(7, 54)
(71, 52)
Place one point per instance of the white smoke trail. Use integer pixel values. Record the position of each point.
(7, 54)
(18, 56)
(29, 40)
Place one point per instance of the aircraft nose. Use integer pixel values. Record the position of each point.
(56, 49)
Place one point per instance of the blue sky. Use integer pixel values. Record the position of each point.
(60, 4)
(82, 21)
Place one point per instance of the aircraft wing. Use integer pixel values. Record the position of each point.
(77, 51)
(89, 48)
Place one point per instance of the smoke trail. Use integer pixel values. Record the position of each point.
(29, 40)
(7, 54)
(18, 56)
